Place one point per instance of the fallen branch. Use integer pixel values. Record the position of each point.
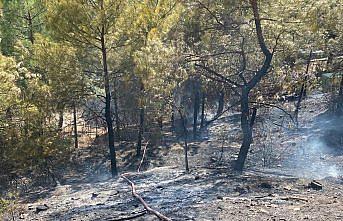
(144, 151)
(146, 206)
(134, 216)
(294, 198)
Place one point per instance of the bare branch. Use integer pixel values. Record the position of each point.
(141, 200)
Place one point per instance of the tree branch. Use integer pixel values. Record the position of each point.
(141, 200)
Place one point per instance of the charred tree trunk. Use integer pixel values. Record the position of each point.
(108, 114)
(140, 132)
(196, 107)
(248, 86)
(160, 122)
(30, 26)
(302, 91)
(185, 134)
(116, 113)
(60, 120)
(253, 117)
(172, 120)
(246, 129)
(202, 123)
(297, 107)
(76, 141)
(220, 103)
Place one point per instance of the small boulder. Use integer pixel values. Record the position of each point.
(315, 185)
(41, 208)
(266, 185)
(94, 195)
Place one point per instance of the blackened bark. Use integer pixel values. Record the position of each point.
(297, 107)
(202, 123)
(246, 129)
(220, 103)
(172, 120)
(253, 117)
(185, 134)
(30, 26)
(108, 114)
(140, 132)
(60, 120)
(116, 113)
(196, 106)
(141, 123)
(160, 122)
(76, 141)
(245, 119)
(302, 91)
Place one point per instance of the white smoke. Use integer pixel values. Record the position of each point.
(313, 159)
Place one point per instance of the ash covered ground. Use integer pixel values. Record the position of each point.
(275, 185)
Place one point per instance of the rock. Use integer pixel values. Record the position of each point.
(220, 197)
(41, 208)
(266, 185)
(288, 188)
(242, 190)
(94, 195)
(315, 185)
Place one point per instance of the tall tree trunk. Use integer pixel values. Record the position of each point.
(245, 118)
(108, 114)
(202, 123)
(196, 107)
(220, 103)
(302, 90)
(297, 106)
(246, 129)
(172, 120)
(30, 26)
(141, 125)
(76, 139)
(60, 120)
(116, 112)
(185, 134)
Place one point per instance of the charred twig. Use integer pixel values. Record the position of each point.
(134, 216)
(144, 151)
(141, 200)
(294, 198)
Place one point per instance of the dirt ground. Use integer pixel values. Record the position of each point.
(274, 186)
